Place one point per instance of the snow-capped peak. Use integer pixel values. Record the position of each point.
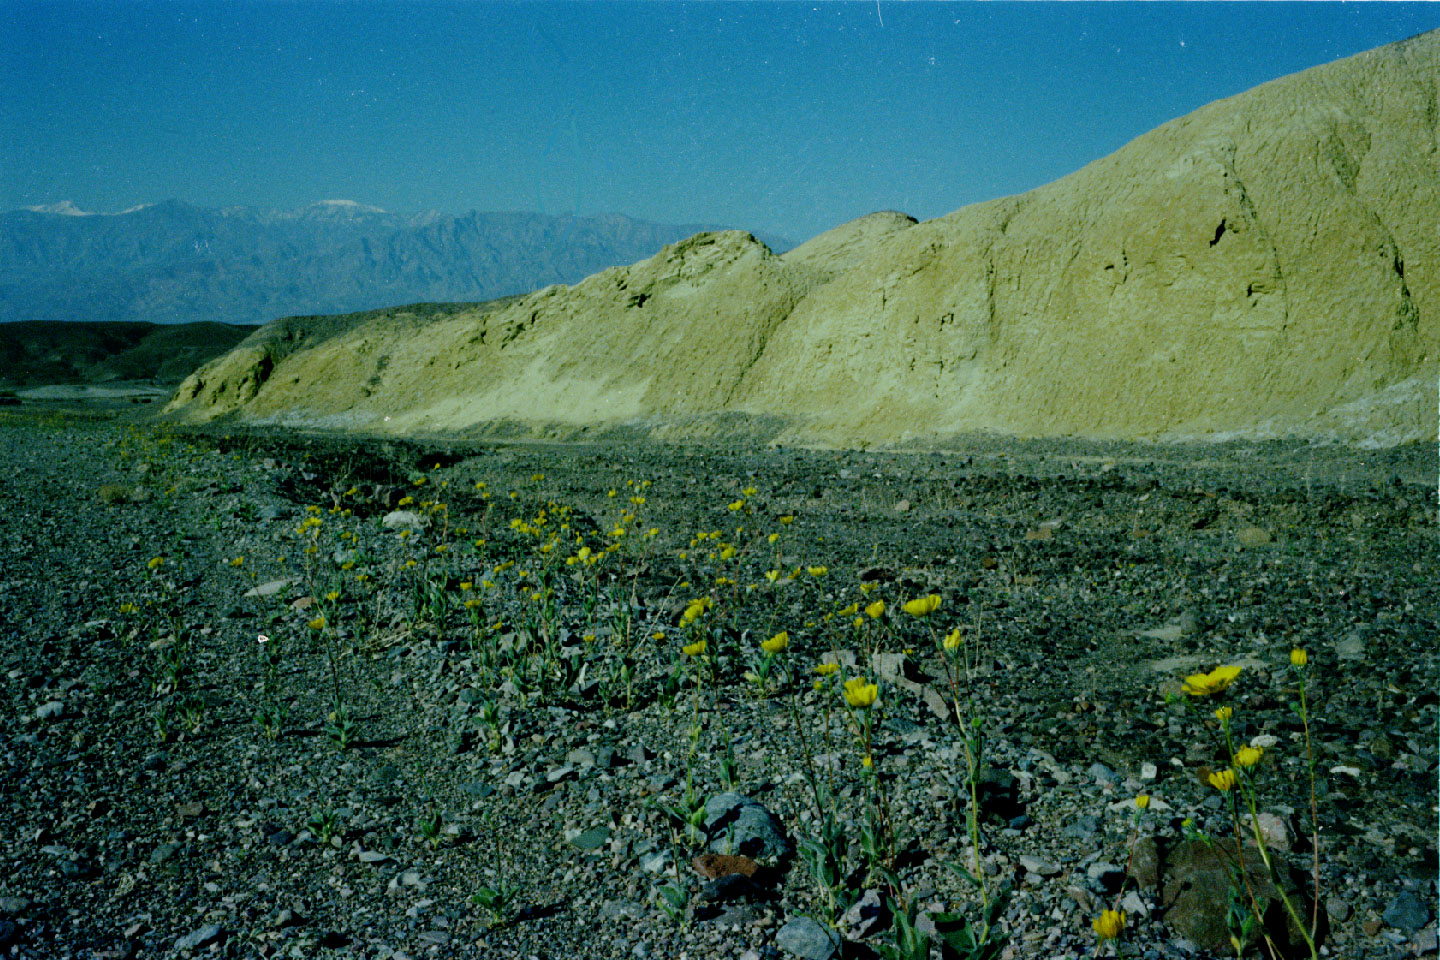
(64, 208)
(349, 205)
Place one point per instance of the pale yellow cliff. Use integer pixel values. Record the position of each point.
(1267, 265)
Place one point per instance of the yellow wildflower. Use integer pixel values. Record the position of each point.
(1109, 924)
(406, 501)
(1223, 781)
(1223, 714)
(849, 611)
(1207, 684)
(318, 623)
(694, 649)
(776, 643)
(155, 562)
(1142, 802)
(787, 519)
(817, 571)
(859, 693)
(875, 610)
(1298, 657)
(953, 639)
(333, 595)
(825, 669)
(923, 606)
(467, 584)
(237, 562)
(1248, 756)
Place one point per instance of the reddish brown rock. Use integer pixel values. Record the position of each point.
(712, 866)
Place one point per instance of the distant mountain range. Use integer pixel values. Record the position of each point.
(172, 262)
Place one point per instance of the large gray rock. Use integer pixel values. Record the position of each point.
(738, 824)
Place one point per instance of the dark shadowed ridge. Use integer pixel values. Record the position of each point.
(41, 353)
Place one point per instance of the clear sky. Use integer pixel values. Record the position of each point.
(789, 118)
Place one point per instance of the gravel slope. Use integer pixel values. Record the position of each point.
(1098, 576)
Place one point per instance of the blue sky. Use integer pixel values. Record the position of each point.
(789, 118)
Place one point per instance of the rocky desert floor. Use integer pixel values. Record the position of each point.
(471, 729)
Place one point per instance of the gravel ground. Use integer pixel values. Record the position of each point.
(149, 814)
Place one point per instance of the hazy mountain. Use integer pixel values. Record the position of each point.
(1266, 265)
(173, 263)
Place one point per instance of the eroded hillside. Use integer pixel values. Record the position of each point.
(1266, 265)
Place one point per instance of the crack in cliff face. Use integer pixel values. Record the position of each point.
(1226, 156)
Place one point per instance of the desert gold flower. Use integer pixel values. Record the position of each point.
(849, 611)
(773, 537)
(875, 610)
(923, 606)
(318, 623)
(1248, 756)
(953, 639)
(1224, 780)
(472, 603)
(1142, 802)
(1298, 657)
(1208, 684)
(155, 563)
(237, 562)
(694, 649)
(735, 507)
(867, 762)
(859, 693)
(825, 669)
(1223, 714)
(776, 643)
(333, 595)
(129, 608)
(467, 584)
(728, 553)
(1109, 925)
(787, 519)
(817, 571)
(406, 501)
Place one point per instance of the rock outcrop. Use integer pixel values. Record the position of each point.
(1267, 265)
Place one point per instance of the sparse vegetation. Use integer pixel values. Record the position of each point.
(500, 628)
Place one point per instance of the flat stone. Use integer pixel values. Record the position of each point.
(866, 916)
(1252, 537)
(1082, 828)
(1407, 912)
(806, 939)
(404, 519)
(1039, 866)
(592, 839)
(202, 937)
(50, 710)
